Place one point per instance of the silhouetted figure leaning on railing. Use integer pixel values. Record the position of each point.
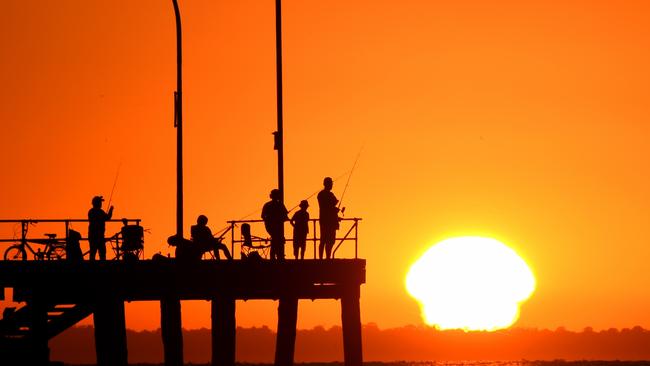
(97, 227)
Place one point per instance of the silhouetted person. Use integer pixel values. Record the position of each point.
(202, 236)
(186, 250)
(328, 218)
(274, 214)
(300, 223)
(97, 227)
(73, 247)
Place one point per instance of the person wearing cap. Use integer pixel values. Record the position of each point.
(328, 218)
(274, 214)
(300, 223)
(97, 227)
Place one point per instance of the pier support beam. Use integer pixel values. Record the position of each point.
(110, 332)
(286, 339)
(351, 321)
(223, 331)
(172, 333)
(39, 352)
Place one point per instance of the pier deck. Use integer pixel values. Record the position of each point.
(65, 282)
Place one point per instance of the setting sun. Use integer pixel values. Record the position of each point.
(470, 283)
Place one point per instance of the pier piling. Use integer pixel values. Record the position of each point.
(172, 334)
(110, 332)
(38, 339)
(286, 337)
(223, 331)
(351, 321)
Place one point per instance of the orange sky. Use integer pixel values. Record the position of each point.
(523, 121)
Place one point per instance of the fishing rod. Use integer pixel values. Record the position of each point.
(316, 192)
(347, 183)
(225, 229)
(117, 175)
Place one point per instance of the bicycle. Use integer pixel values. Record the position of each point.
(54, 249)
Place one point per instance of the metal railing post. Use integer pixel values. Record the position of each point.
(356, 238)
(314, 222)
(232, 238)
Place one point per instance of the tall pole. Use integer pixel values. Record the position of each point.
(178, 122)
(170, 307)
(279, 143)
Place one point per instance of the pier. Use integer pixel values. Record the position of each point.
(58, 294)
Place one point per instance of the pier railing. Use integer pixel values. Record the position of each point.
(48, 235)
(348, 233)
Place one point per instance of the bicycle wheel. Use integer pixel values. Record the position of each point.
(15, 253)
(56, 253)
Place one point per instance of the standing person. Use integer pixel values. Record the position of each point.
(329, 218)
(97, 227)
(300, 223)
(274, 214)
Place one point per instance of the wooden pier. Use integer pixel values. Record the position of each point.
(58, 294)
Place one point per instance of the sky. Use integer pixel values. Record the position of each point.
(522, 121)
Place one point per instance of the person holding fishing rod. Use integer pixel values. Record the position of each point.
(97, 227)
(328, 218)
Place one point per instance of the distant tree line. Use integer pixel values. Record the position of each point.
(410, 343)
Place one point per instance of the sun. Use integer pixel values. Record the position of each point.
(470, 283)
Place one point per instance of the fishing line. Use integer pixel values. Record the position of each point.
(117, 175)
(223, 230)
(349, 176)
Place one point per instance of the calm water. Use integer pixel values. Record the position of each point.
(456, 363)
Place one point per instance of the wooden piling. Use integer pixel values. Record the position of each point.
(351, 321)
(39, 352)
(172, 333)
(286, 337)
(223, 331)
(110, 332)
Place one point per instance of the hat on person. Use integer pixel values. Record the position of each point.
(98, 199)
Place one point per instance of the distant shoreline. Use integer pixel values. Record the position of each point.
(436, 363)
(321, 346)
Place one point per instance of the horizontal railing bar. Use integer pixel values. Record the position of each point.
(35, 221)
(247, 221)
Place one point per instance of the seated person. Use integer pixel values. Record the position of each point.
(202, 237)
